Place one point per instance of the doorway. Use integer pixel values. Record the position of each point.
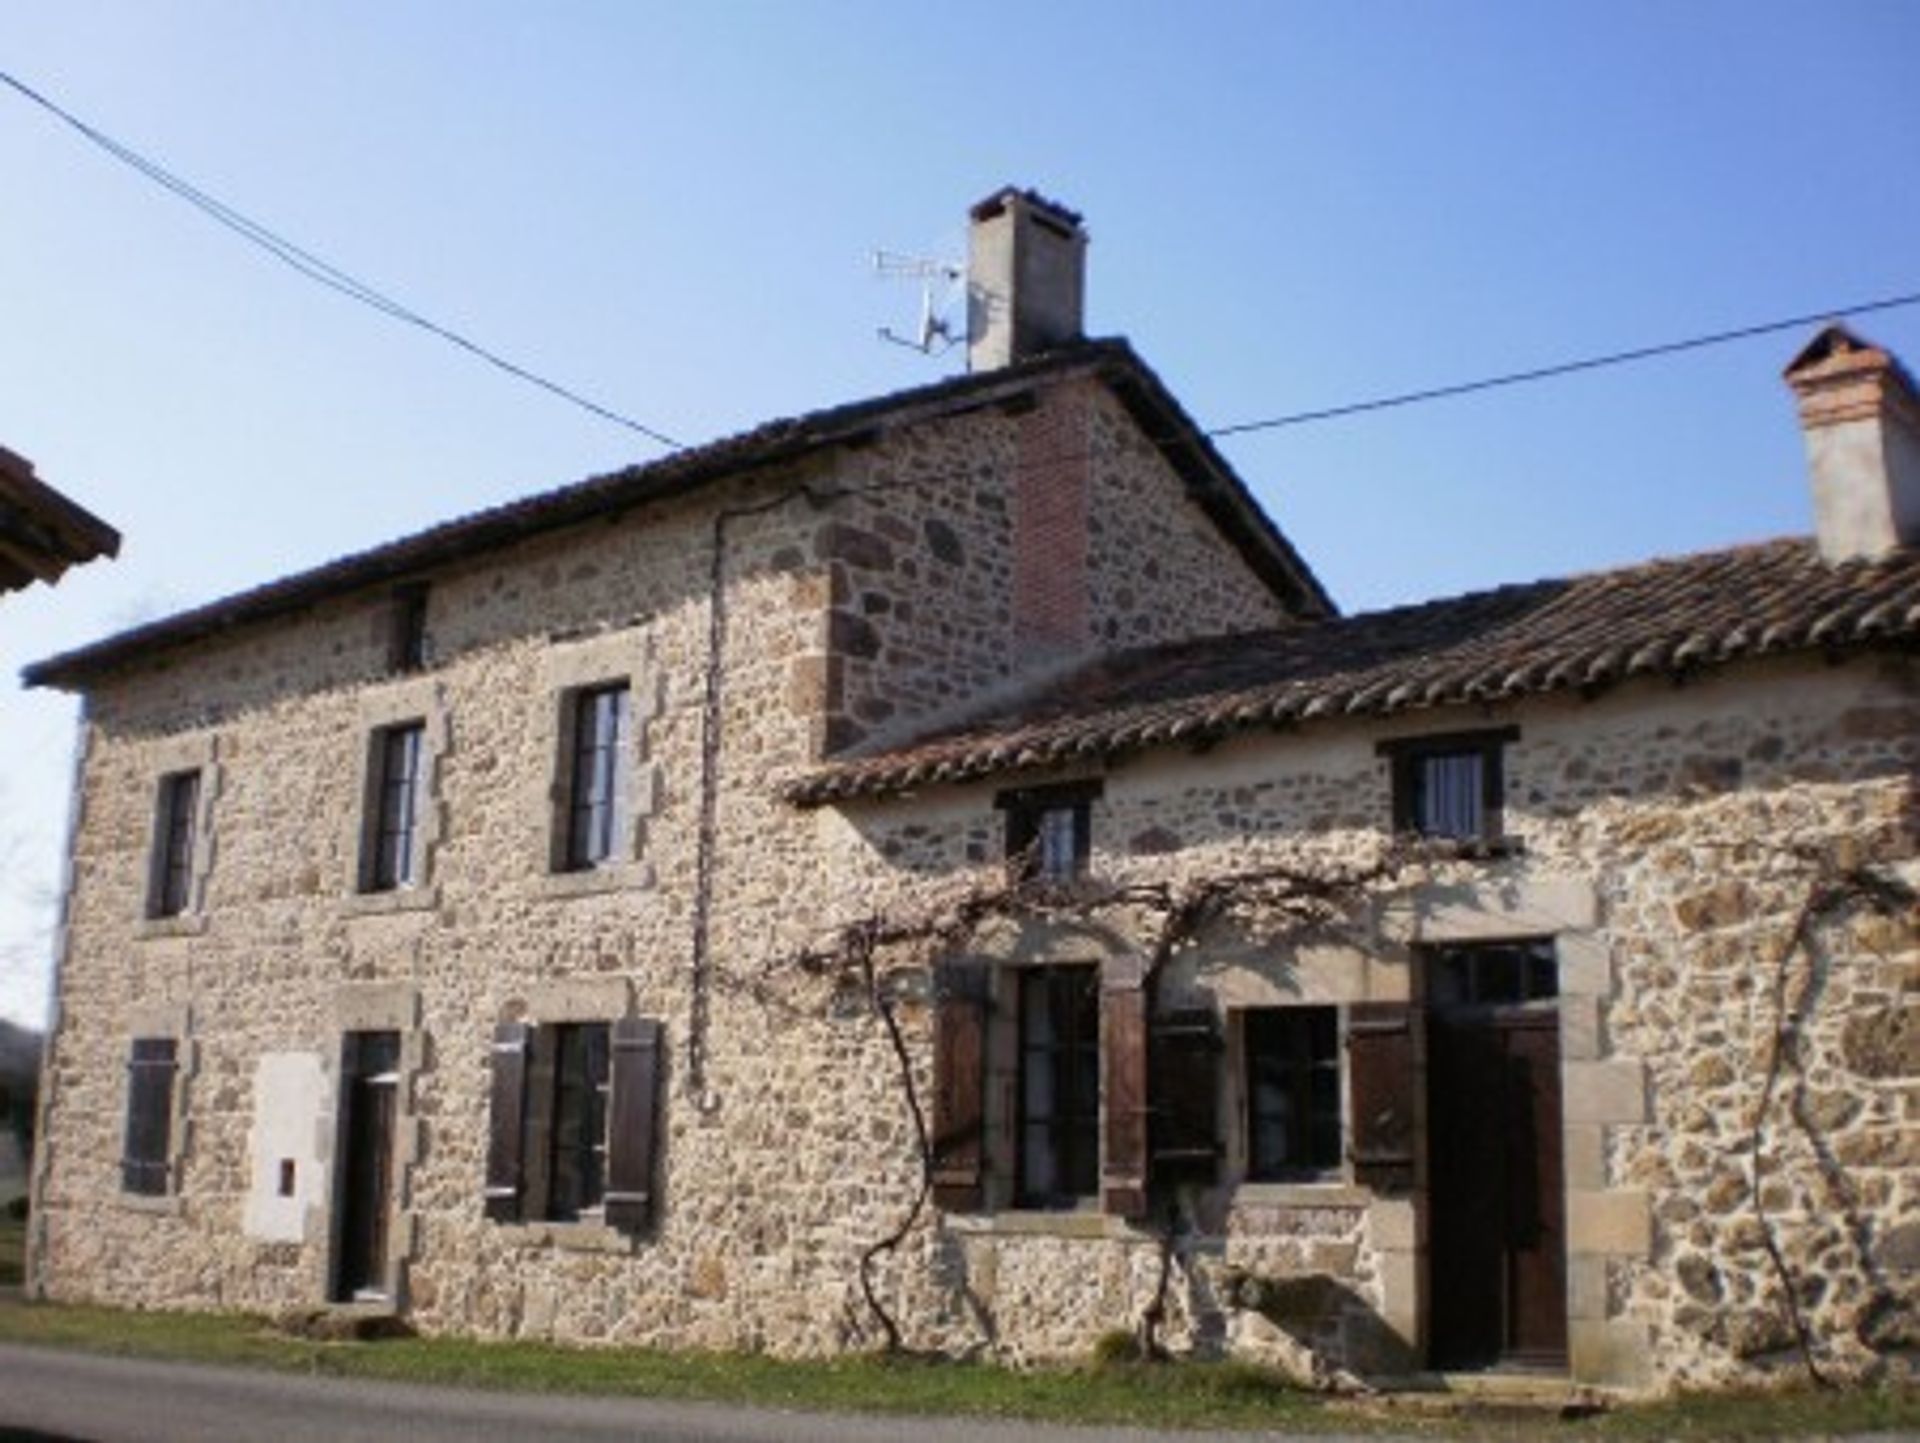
(369, 1098)
(1497, 1265)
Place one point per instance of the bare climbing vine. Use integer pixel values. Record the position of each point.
(1831, 894)
(1286, 898)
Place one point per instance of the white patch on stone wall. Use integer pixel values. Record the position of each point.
(285, 1175)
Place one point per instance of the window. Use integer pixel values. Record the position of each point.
(1049, 831)
(407, 628)
(170, 888)
(1058, 1159)
(1293, 1092)
(146, 1159)
(578, 1128)
(1450, 787)
(597, 793)
(394, 818)
(573, 1122)
(1491, 974)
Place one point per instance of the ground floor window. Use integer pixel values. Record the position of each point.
(1059, 1085)
(1293, 1092)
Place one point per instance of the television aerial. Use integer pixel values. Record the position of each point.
(941, 284)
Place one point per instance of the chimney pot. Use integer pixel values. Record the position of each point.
(1026, 278)
(1860, 415)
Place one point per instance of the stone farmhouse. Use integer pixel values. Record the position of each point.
(530, 927)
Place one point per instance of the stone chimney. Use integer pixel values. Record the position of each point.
(1026, 278)
(1860, 413)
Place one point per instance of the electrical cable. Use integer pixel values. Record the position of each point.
(1563, 368)
(318, 270)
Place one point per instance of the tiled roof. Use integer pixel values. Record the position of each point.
(42, 533)
(1662, 617)
(1208, 478)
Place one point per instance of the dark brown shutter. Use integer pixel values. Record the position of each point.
(149, 1131)
(1123, 1045)
(506, 1121)
(536, 1122)
(633, 1123)
(1185, 1075)
(1380, 1069)
(959, 1086)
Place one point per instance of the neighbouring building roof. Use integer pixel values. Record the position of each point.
(1209, 480)
(42, 533)
(1583, 632)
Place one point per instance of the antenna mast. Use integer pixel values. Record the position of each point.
(935, 333)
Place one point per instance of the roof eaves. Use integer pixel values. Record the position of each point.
(770, 444)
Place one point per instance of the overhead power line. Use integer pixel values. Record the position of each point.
(318, 270)
(324, 273)
(1563, 368)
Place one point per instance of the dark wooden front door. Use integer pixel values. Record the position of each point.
(369, 1093)
(1498, 1259)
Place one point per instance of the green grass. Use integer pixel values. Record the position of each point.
(13, 1249)
(1164, 1397)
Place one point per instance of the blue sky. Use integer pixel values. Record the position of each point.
(670, 208)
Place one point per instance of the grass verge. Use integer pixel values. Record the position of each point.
(1212, 1395)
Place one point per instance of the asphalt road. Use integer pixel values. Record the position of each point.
(55, 1397)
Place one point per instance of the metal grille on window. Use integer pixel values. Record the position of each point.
(597, 813)
(1293, 1092)
(173, 874)
(1059, 1160)
(1450, 794)
(393, 841)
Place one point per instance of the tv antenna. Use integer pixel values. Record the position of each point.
(940, 281)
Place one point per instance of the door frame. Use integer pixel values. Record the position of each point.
(381, 1285)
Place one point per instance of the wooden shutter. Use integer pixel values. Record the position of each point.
(1381, 1078)
(1123, 1046)
(536, 1122)
(633, 1123)
(1185, 1076)
(144, 1165)
(506, 1122)
(959, 1086)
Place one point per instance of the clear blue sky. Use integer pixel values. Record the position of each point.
(670, 208)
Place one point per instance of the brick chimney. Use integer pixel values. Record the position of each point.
(1026, 278)
(1860, 413)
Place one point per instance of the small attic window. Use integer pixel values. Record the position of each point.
(1450, 787)
(407, 628)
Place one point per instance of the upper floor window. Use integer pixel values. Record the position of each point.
(1058, 1160)
(597, 793)
(1293, 1092)
(393, 822)
(146, 1162)
(1450, 787)
(407, 628)
(1049, 831)
(170, 887)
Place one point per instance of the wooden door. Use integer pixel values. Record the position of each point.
(1498, 1260)
(369, 1095)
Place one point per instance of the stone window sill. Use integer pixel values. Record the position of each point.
(596, 881)
(582, 1237)
(1026, 1223)
(170, 1206)
(187, 924)
(1330, 1194)
(386, 904)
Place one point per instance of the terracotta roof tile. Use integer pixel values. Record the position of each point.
(1585, 631)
